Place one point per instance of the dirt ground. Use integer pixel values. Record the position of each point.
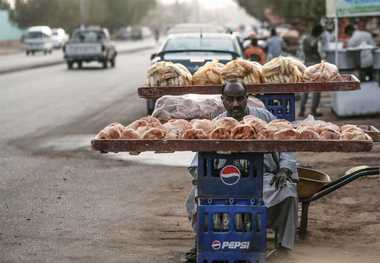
(81, 206)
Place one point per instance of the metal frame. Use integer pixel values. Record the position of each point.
(331, 187)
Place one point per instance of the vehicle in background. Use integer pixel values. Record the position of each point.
(59, 37)
(193, 50)
(90, 44)
(196, 28)
(133, 33)
(38, 39)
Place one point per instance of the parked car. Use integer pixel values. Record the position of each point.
(59, 37)
(195, 49)
(38, 39)
(196, 28)
(90, 44)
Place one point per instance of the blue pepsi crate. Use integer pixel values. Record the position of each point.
(225, 176)
(283, 106)
(231, 257)
(231, 233)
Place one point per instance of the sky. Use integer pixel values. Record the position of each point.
(209, 4)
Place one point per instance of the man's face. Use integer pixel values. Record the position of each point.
(235, 101)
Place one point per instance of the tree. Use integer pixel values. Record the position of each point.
(291, 10)
(66, 13)
(4, 5)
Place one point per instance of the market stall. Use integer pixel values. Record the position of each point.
(350, 59)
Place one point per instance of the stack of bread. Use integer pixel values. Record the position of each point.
(223, 128)
(283, 70)
(244, 70)
(322, 72)
(278, 70)
(209, 74)
(192, 106)
(168, 74)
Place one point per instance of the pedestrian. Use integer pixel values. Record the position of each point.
(254, 52)
(313, 53)
(274, 45)
(156, 33)
(360, 37)
(280, 174)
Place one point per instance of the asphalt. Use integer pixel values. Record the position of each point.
(17, 62)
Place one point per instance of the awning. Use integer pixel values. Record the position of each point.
(352, 8)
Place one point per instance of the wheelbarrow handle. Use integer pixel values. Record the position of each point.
(343, 181)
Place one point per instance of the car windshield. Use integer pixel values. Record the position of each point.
(192, 43)
(35, 34)
(88, 36)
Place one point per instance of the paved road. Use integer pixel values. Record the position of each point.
(15, 62)
(63, 203)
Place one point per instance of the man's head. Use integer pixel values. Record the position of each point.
(254, 42)
(234, 97)
(349, 30)
(273, 32)
(317, 30)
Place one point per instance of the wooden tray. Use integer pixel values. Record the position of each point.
(231, 145)
(371, 131)
(350, 82)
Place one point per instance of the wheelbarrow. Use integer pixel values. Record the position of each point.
(314, 185)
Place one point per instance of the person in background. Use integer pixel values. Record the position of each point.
(274, 45)
(328, 35)
(360, 37)
(280, 174)
(313, 54)
(254, 52)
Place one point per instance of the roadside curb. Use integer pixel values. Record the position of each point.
(62, 61)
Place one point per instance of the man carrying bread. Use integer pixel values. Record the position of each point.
(280, 173)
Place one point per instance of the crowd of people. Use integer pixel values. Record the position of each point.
(312, 48)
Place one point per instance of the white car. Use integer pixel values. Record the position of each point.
(38, 38)
(59, 37)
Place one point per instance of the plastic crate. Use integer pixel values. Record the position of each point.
(231, 233)
(282, 106)
(225, 176)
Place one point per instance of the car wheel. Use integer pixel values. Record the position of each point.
(105, 64)
(79, 64)
(70, 65)
(113, 62)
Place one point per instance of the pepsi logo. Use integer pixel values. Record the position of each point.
(216, 245)
(230, 175)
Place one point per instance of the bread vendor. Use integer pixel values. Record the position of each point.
(359, 37)
(280, 173)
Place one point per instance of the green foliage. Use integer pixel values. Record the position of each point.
(66, 13)
(309, 10)
(4, 5)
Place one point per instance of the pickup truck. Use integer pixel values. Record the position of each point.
(90, 44)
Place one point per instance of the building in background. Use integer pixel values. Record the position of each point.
(8, 30)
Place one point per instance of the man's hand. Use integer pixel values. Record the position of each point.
(280, 178)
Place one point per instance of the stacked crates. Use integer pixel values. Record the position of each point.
(280, 105)
(231, 214)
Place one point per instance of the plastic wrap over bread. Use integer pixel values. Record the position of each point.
(209, 74)
(193, 106)
(323, 71)
(283, 70)
(244, 70)
(165, 73)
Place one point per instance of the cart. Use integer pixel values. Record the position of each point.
(232, 219)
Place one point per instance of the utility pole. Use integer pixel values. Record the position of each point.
(82, 7)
